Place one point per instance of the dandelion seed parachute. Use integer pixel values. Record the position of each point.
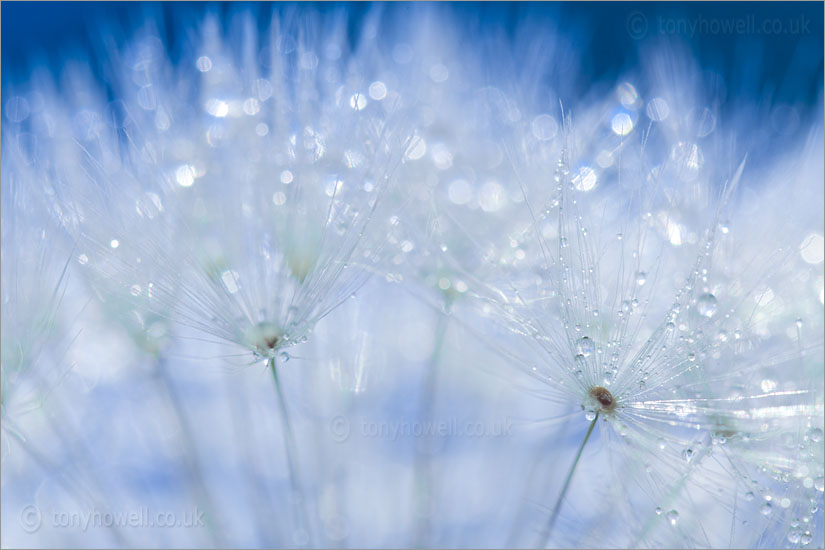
(645, 313)
(238, 196)
(228, 197)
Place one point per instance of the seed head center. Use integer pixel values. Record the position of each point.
(264, 338)
(603, 397)
(271, 341)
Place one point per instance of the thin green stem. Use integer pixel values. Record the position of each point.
(557, 508)
(291, 448)
(243, 440)
(197, 478)
(423, 462)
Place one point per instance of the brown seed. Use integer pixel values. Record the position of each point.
(271, 341)
(604, 397)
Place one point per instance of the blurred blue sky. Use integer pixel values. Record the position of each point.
(776, 49)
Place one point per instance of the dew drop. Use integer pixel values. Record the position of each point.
(17, 109)
(185, 175)
(749, 496)
(768, 385)
(793, 536)
(688, 454)
(358, 101)
(544, 127)
(585, 346)
(673, 517)
(806, 538)
(815, 434)
(284, 356)
(641, 278)
(378, 90)
(658, 511)
(204, 64)
(230, 279)
(706, 305)
(83, 259)
(590, 415)
(766, 509)
(819, 483)
(621, 124)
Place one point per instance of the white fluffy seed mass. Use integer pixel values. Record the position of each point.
(304, 276)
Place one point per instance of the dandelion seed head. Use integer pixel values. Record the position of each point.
(655, 361)
(228, 249)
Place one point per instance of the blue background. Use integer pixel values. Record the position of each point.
(786, 67)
